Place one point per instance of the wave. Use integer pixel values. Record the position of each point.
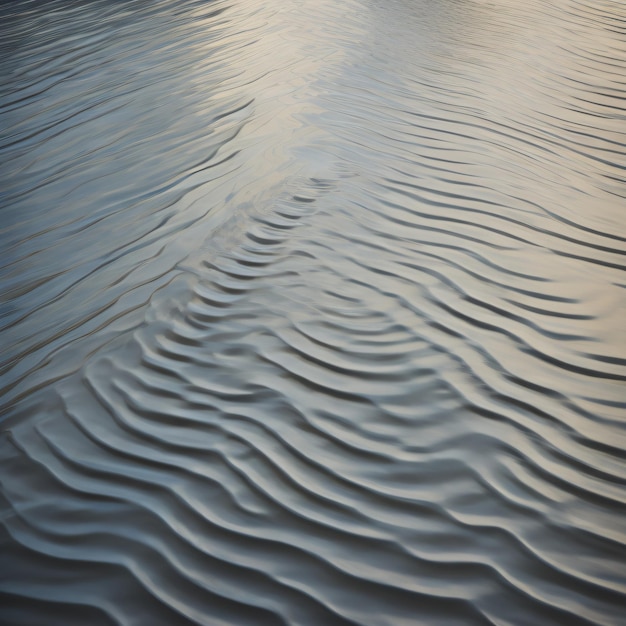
(311, 313)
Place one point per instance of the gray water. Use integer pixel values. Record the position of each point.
(313, 312)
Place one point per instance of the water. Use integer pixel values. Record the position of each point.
(312, 312)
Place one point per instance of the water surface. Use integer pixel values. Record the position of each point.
(312, 312)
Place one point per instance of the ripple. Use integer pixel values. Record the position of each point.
(312, 312)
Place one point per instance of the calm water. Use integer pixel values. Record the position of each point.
(313, 312)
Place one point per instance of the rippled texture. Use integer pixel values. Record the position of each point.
(313, 312)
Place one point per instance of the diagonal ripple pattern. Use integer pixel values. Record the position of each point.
(312, 312)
